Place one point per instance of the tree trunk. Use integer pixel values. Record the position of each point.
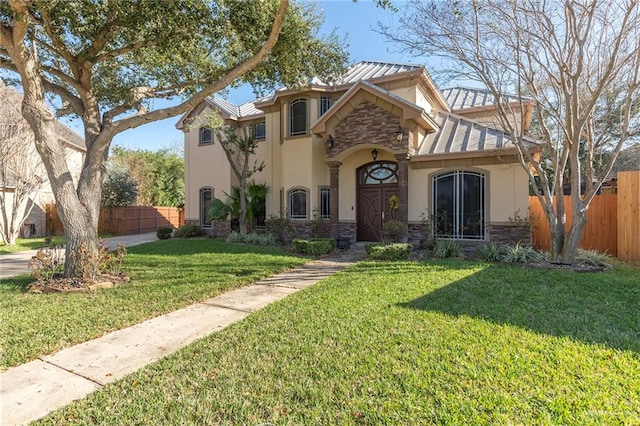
(572, 239)
(79, 221)
(243, 207)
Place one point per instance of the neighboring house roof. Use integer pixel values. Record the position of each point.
(461, 98)
(67, 135)
(458, 135)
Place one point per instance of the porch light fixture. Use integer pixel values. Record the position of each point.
(399, 134)
(329, 142)
(374, 154)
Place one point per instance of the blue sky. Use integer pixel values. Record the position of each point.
(354, 19)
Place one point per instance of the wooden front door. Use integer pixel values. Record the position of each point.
(376, 183)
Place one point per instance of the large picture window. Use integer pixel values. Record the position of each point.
(298, 203)
(298, 117)
(206, 195)
(458, 205)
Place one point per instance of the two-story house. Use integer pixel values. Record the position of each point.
(341, 152)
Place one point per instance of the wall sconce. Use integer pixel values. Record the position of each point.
(399, 134)
(374, 154)
(329, 142)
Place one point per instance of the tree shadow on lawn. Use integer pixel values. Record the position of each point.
(601, 307)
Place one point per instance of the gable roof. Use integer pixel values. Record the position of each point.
(461, 98)
(370, 71)
(374, 72)
(409, 109)
(459, 136)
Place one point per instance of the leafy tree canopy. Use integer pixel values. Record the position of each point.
(128, 53)
(158, 175)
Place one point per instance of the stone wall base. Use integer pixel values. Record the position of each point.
(510, 234)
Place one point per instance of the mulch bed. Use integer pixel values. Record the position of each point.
(60, 284)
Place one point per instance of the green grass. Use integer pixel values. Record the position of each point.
(165, 276)
(24, 244)
(446, 342)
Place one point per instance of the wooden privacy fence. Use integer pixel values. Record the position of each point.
(125, 220)
(613, 220)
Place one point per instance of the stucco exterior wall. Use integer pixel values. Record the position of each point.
(506, 191)
(205, 166)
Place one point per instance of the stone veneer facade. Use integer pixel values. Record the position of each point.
(371, 124)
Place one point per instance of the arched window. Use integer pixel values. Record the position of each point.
(206, 195)
(206, 136)
(459, 205)
(298, 117)
(378, 173)
(297, 203)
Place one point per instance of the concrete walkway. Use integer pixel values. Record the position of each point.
(32, 390)
(18, 263)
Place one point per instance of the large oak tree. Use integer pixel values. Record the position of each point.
(107, 61)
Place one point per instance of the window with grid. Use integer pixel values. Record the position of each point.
(298, 117)
(325, 205)
(298, 203)
(459, 205)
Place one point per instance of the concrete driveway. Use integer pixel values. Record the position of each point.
(17, 263)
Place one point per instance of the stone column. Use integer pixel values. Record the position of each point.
(403, 187)
(334, 184)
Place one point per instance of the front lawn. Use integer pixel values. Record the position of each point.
(446, 342)
(23, 244)
(165, 276)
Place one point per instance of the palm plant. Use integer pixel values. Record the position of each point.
(256, 195)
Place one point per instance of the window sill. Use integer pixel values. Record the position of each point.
(306, 135)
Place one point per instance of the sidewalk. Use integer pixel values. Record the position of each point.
(32, 390)
(17, 263)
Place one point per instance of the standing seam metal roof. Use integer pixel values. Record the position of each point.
(368, 70)
(460, 98)
(459, 135)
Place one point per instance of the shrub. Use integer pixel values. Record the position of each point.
(394, 231)
(314, 246)
(253, 238)
(189, 231)
(261, 239)
(234, 237)
(164, 233)
(447, 248)
(46, 263)
(280, 227)
(490, 252)
(594, 258)
(397, 251)
(522, 254)
(89, 265)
